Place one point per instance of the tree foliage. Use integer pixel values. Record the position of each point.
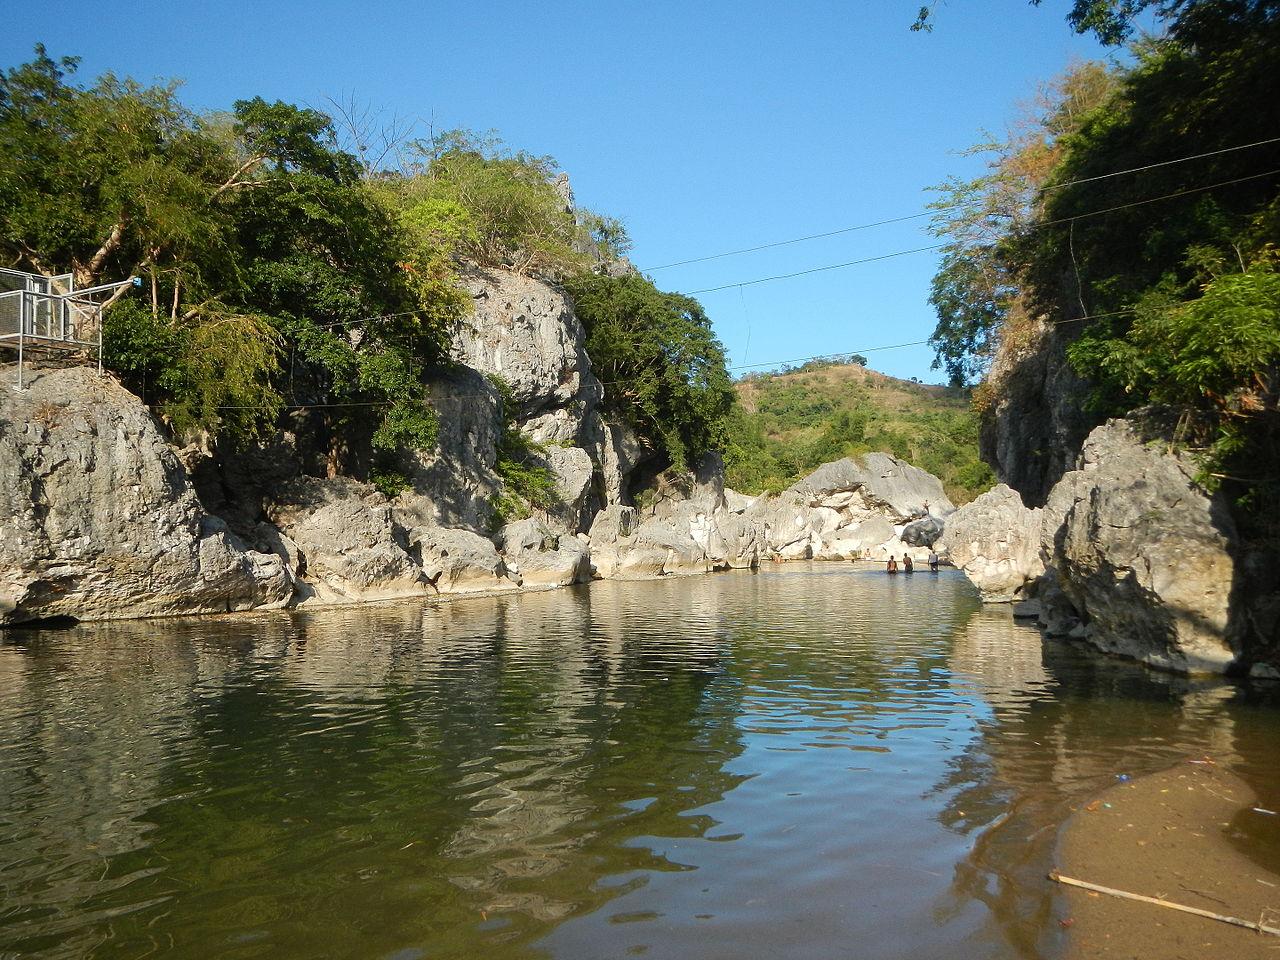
(788, 424)
(256, 239)
(978, 287)
(663, 367)
(1152, 238)
(466, 194)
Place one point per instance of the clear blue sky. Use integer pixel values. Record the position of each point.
(706, 126)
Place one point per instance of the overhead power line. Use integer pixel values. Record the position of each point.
(951, 206)
(616, 383)
(938, 246)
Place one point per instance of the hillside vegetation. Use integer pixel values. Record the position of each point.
(787, 424)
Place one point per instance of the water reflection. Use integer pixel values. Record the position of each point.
(781, 764)
(1064, 723)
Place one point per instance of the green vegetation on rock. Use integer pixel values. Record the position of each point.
(662, 366)
(1164, 276)
(271, 274)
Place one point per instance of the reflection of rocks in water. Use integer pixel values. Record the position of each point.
(1065, 721)
(1001, 657)
(90, 723)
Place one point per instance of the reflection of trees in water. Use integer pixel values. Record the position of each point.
(1064, 722)
(408, 769)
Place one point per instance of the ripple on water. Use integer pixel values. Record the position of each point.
(774, 764)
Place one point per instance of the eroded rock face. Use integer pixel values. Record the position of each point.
(524, 331)
(876, 484)
(995, 541)
(1033, 432)
(458, 561)
(98, 519)
(348, 546)
(1142, 554)
(541, 557)
(849, 509)
(455, 485)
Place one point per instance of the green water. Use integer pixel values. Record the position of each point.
(808, 762)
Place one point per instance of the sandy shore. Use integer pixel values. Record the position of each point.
(1167, 835)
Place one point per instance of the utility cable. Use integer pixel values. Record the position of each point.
(939, 246)
(952, 206)
(621, 382)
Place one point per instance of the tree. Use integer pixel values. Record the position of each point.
(978, 287)
(255, 236)
(1112, 21)
(663, 367)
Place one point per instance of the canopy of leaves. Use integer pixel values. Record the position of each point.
(1112, 21)
(272, 273)
(468, 196)
(977, 287)
(663, 368)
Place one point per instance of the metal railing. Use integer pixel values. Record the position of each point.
(33, 318)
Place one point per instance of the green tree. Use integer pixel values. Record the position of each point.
(663, 368)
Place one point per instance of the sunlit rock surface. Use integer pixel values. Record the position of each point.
(98, 519)
(995, 541)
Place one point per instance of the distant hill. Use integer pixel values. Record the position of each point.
(789, 423)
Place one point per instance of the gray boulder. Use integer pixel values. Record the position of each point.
(540, 557)
(458, 561)
(524, 331)
(923, 532)
(348, 546)
(1142, 553)
(98, 519)
(875, 484)
(572, 470)
(995, 541)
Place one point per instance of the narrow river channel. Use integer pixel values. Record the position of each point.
(812, 761)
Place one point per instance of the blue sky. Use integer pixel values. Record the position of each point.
(706, 126)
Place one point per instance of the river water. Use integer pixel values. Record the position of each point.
(812, 761)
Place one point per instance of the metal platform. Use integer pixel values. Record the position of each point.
(43, 315)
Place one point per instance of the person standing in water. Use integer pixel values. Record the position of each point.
(933, 561)
(893, 564)
(907, 566)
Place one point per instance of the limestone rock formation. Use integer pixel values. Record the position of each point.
(348, 546)
(455, 484)
(686, 538)
(458, 561)
(98, 519)
(850, 508)
(1142, 553)
(540, 557)
(995, 541)
(524, 332)
(1040, 417)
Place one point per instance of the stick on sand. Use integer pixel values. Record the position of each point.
(1111, 891)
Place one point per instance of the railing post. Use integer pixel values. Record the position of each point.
(22, 329)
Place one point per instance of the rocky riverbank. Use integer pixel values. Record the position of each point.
(101, 517)
(1106, 531)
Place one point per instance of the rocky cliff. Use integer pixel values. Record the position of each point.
(1134, 556)
(1128, 553)
(101, 518)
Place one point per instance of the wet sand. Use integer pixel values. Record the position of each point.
(1168, 835)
